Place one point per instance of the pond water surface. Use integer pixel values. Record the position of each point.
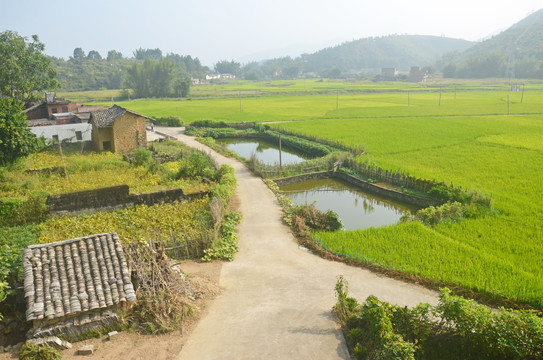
(356, 208)
(267, 153)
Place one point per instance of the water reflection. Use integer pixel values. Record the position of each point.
(267, 153)
(356, 209)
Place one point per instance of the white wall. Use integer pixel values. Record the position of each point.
(66, 131)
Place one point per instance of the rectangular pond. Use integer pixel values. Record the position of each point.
(266, 152)
(356, 208)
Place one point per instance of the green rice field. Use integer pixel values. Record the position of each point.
(479, 136)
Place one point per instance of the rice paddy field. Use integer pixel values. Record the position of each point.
(480, 136)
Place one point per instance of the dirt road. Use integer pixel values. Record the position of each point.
(277, 297)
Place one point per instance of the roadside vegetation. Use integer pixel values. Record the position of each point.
(455, 328)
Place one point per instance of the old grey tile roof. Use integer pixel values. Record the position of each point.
(73, 276)
(104, 118)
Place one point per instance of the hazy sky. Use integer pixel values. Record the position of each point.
(244, 30)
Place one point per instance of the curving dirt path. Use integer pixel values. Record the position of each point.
(277, 297)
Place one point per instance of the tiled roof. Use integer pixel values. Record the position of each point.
(73, 276)
(104, 118)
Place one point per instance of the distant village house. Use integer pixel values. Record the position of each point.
(118, 130)
(417, 74)
(220, 76)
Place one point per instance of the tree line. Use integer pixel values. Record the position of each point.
(149, 73)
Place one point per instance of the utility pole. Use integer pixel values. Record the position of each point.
(440, 96)
(522, 96)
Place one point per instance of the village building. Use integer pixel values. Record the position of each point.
(220, 76)
(118, 130)
(417, 74)
(76, 285)
(59, 120)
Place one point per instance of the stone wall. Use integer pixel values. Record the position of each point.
(111, 198)
(364, 185)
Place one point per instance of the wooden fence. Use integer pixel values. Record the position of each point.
(188, 245)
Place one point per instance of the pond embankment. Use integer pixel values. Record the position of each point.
(362, 184)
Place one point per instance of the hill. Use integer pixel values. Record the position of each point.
(399, 51)
(514, 53)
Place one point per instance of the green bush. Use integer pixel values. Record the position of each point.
(455, 328)
(15, 211)
(447, 193)
(168, 121)
(227, 246)
(196, 165)
(226, 184)
(209, 124)
(31, 351)
(436, 215)
(316, 219)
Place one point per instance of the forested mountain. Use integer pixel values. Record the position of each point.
(398, 51)
(514, 53)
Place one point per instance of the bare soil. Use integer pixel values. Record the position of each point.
(204, 278)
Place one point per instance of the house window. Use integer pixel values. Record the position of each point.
(55, 138)
(78, 135)
(106, 145)
(64, 109)
(54, 110)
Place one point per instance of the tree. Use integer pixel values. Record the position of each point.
(153, 54)
(113, 55)
(24, 70)
(79, 53)
(16, 140)
(94, 55)
(228, 67)
(181, 86)
(151, 78)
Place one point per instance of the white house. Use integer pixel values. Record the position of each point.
(71, 132)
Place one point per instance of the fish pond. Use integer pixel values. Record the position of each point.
(266, 152)
(357, 209)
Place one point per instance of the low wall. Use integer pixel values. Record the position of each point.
(364, 185)
(111, 198)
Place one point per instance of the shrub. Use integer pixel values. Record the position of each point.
(446, 212)
(446, 193)
(227, 246)
(455, 328)
(209, 124)
(316, 219)
(31, 351)
(196, 164)
(14, 211)
(226, 184)
(168, 121)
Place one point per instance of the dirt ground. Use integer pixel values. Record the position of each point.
(203, 277)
